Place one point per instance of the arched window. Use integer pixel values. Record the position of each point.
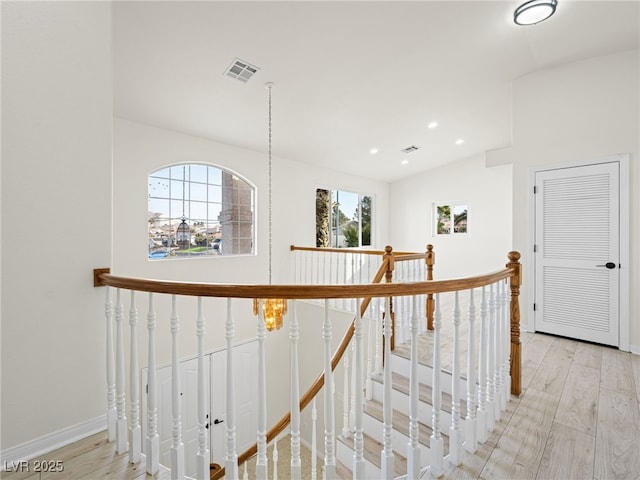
(199, 210)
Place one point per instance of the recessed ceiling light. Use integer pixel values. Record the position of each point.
(432, 125)
(373, 151)
(459, 141)
(404, 162)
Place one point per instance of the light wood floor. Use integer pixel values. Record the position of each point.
(577, 418)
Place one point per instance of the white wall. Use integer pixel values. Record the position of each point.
(577, 112)
(56, 213)
(140, 149)
(487, 192)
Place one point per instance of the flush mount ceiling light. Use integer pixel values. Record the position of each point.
(534, 11)
(432, 125)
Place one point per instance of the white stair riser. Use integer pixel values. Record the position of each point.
(400, 402)
(425, 375)
(345, 455)
(399, 441)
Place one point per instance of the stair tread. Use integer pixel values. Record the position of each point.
(425, 392)
(371, 452)
(401, 423)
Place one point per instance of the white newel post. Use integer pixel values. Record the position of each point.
(490, 407)
(437, 443)
(203, 458)
(231, 459)
(481, 424)
(358, 438)
(135, 433)
(386, 456)
(261, 462)
(455, 432)
(413, 448)
(121, 422)
(111, 384)
(294, 335)
(329, 472)
(470, 441)
(177, 447)
(152, 450)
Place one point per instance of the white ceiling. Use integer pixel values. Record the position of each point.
(349, 76)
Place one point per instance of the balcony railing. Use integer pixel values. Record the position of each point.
(397, 303)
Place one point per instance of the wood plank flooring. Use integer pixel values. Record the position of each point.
(577, 418)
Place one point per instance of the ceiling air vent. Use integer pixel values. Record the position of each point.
(241, 70)
(410, 149)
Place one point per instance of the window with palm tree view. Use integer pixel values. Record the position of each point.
(197, 210)
(450, 218)
(343, 219)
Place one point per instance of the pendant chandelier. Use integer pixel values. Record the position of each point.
(273, 308)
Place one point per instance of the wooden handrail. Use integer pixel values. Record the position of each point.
(300, 292)
(349, 250)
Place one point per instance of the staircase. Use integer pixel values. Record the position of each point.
(373, 418)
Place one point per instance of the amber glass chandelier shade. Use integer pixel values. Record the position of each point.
(274, 310)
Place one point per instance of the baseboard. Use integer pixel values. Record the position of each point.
(635, 349)
(53, 441)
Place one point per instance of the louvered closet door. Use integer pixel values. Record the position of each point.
(577, 235)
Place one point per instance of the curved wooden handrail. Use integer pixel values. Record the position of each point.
(301, 292)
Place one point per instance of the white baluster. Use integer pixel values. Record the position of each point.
(386, 456)
(354, 384)
(497, 376)
(261, 463)
(470, 441)
(506, 357)
(413, 448)
(294, 335)
(314, 441)
(275, 459)
(370, 350)
(358, 438)
(345, 301)
(135, 434)
(111, 384)
(245, 474)
(329, 472)
(481, 424)
(378, 337)
(177, 447)
(436, 441)
(231, 459)
(345, 396)
(491, 355)
(202, 457)
(121, 422)
(455, 432)
(152, 450)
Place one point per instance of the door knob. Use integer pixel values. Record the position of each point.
(609, 265)
(217, 421)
